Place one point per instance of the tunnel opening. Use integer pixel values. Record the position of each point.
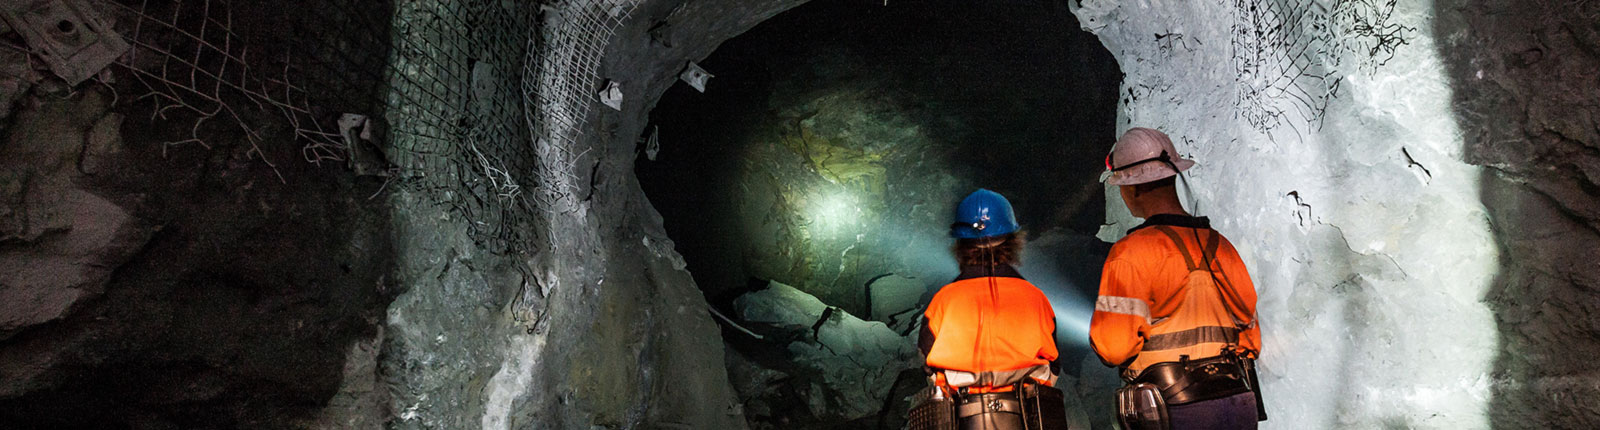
(809, 186)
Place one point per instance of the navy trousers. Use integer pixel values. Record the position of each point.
(1228, 413)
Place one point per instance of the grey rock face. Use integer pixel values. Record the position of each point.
(59, 242)
(896, 301)
(841, 367)
(1526, 100)
(73, 242)
(151, 286)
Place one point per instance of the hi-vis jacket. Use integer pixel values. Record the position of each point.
(1158, 302)
(983, 323)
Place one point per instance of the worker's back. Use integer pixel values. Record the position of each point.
(989, 336)
(1152, 269)
(996, 323)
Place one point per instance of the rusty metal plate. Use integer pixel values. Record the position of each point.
(67, 34)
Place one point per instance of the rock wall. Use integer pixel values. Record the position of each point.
(1407, 185)
(586, 319)
(1526, 99)
(146, 285)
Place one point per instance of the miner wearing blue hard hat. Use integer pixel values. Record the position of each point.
(989, 336)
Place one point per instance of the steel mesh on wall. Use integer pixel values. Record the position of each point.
(444, 74)
(561, 83)
(1287, 54)
(456, 116)
(455, 81)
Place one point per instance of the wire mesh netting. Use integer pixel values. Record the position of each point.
(188, 59)
(456, 115)
(1288, 54)
(463, 86)
(562, 84)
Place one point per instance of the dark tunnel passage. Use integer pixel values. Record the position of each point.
(829, 150)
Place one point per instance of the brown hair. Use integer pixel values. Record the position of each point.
(1006, 249)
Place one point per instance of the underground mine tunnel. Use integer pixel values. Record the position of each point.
(825, 158)
(341, 214)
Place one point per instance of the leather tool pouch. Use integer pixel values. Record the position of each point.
(1140, 407)
(1190, 381)
(1043, 407)
(1255, 385)
(932, 410)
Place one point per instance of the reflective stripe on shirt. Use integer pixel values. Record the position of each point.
(1122, 305)
(1191, 337)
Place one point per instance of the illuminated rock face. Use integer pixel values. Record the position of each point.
(1385, 169)
(847, 188)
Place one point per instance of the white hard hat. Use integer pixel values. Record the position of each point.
(1143, 155)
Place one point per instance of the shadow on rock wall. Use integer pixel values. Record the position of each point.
(148, 286)
(1528, 103)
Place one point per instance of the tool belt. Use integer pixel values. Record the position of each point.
(1142, 404)
(1026, 405)
(1190, 381)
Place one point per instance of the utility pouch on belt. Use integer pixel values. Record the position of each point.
(1255, 385)
(932, 409)
(1043, 407)
(1140, 407)
(1142, 404)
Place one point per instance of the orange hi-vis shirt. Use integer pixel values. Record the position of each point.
(990, 323)
(1147, 311)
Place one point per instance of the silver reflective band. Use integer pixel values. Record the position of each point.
(1122, 305)
(1191, 337)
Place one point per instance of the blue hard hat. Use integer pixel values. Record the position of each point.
(983, 213)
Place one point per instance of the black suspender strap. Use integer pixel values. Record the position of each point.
(1182, 248)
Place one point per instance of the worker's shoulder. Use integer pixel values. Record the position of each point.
(956, 287)
(1142, 241)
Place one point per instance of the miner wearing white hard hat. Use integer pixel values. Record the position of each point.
(1177, 310)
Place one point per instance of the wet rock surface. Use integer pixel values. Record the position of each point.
(896, 300)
